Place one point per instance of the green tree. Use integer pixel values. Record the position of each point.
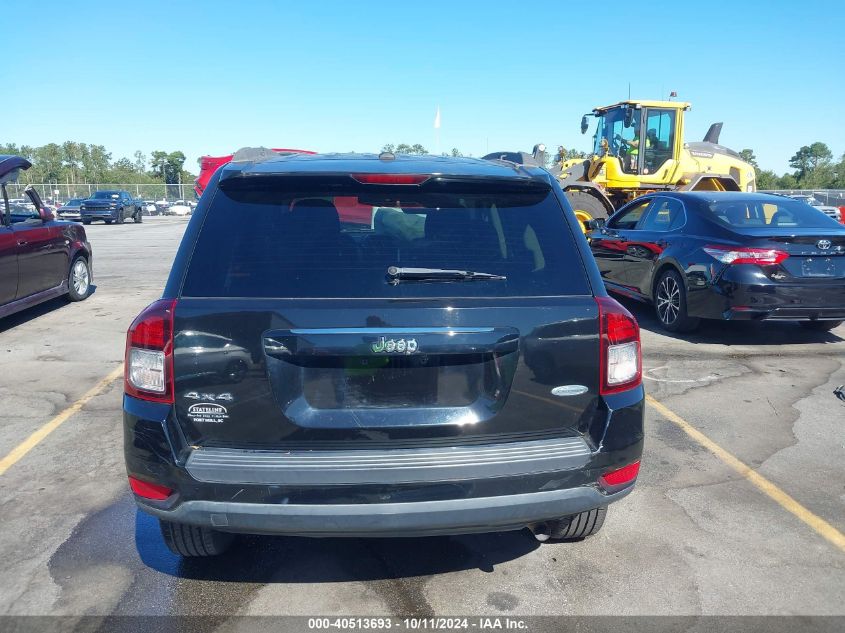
(456, 153)
(175, 165)
(404, 148)
(748, 156)
(811, 163)
(787, 181)
(838, 176)
(72, 157)
(98, 163)
(569, 154)
(47, 164)
(767, 179)
(140, 163)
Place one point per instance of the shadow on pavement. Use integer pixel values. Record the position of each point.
(265, 559)
(30, 314)
(733, 332)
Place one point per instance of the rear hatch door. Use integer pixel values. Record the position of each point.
(290, 332)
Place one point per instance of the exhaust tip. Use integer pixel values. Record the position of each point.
(541, 531)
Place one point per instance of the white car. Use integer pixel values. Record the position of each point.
(180, 207)
(831, 212)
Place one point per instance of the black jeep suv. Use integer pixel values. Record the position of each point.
(360, 345)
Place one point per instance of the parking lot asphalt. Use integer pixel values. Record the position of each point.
(695, 537)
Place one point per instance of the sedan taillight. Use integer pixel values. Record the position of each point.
(621, 356)
(745, 255)
(149, 353)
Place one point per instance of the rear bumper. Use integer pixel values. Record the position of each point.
(438, 489)
(745, 293)
(421, 518)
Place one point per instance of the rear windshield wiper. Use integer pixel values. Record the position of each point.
(396, 274)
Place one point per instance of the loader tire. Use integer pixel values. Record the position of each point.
(586, 206)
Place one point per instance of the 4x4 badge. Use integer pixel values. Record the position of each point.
(395, 346)
(195, 395)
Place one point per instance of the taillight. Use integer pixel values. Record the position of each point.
(149, 490)
(391, 179)
(148, 372)
(745, 255)
(621, 357)
(620, 477)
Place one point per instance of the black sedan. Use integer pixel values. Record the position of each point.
(725, 255)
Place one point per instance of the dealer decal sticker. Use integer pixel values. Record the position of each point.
(208, 412)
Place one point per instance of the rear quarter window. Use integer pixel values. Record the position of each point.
(270, 242)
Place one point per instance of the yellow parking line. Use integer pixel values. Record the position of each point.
(819, 525)
(33, 440)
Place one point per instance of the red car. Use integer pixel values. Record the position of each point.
(40, 257)
(210, 164)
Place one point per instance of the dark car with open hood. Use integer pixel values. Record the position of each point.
(40, 257)
(361, 345)
(725, 255)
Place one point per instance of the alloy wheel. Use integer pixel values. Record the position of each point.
(668, 300)
(80, 277)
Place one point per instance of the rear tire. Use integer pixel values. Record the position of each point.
(107, 221)
(670, 303)
(578, 526)
(192, 540)
(820, 326)
(86, 222)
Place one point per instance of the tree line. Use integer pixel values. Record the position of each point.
(814, 165)
(82, 163)
(416, 149)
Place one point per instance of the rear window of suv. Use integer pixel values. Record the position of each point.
(271, 242)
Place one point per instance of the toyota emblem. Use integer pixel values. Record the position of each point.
(823, 244)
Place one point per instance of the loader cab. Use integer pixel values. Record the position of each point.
(642, 136)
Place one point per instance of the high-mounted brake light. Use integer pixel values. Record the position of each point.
(391, 179)
(620, 477)
(148, 372)
(149, 490)
(621, 356)
(745, 255)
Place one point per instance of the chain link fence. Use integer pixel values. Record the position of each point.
(831, 197)
(59, 193)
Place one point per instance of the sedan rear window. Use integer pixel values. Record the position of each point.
(768, 213)
(267, 242)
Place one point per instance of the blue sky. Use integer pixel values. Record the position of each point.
(209, 77)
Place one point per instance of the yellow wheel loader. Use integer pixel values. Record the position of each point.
(639, 148)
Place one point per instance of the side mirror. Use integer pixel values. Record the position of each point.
(629, 117)
(584, 124)
(596, 224)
